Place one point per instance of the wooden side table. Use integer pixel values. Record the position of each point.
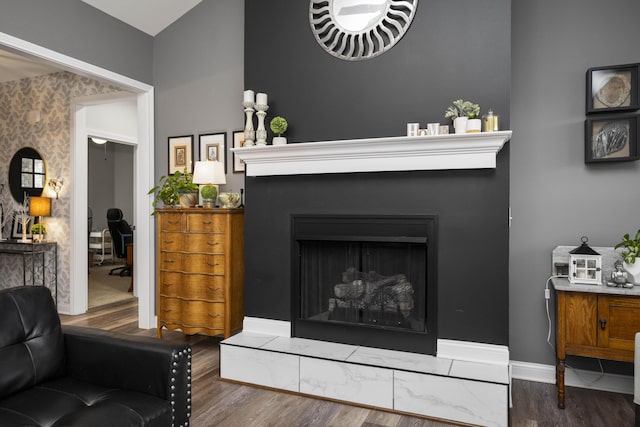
(594, 321)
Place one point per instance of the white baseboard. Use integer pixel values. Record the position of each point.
(258, 325)
(572, 377)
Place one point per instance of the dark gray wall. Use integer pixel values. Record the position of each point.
(555, 196)
(198, 79)
(326, 98)
(76, 29)
(453, 49)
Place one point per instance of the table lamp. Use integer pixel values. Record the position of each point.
(208, 175)
(40, 207)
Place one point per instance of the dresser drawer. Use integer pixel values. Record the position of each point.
(205, 222)
(170, 221)
(171, 261)
(171, 241)
(192, 313)
(205, 242)
(204, 263)
(191, 286)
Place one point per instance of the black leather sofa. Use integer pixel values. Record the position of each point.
(53, 376)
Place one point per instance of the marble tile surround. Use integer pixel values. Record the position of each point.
(457, 390)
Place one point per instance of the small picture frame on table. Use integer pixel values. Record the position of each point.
(16, 229)
(180, 153)
(238, 142)
(611, 139)
(612, 89)
(213, 148)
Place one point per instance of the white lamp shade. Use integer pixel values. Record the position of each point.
(209, 173)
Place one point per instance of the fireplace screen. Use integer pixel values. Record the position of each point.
(368, 283)
(365, 280)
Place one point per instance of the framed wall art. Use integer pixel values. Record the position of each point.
(238, 142)
(16, 228)
(612, 88)
(611, 139)
(180, 153)
(213, 147)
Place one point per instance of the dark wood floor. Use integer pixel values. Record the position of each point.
(224, 404)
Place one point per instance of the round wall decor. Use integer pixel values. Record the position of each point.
(356, 30)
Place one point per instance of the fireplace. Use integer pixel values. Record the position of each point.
(366, 280)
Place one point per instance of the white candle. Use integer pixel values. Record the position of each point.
(248, 96)
(261, 99)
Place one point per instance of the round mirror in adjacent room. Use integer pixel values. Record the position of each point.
(355, 30)
(27, 174)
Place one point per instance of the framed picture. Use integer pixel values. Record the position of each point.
(16, 229)
(238, 142)
(611, 139)
(613, 88)
(180, 153)
(213, 148)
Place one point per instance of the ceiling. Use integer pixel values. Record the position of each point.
(149, 16)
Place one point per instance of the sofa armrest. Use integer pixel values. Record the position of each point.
(142, 364)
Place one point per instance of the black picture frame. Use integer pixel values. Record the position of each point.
(611, 139)
(612, 89)
(16, 228)
(238, 142)
(213, 147)
(180, 153)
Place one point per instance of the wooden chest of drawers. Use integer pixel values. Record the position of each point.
(201, 270)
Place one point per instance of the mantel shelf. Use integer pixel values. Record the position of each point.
(439, 152)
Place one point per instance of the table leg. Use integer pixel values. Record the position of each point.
(560, 382)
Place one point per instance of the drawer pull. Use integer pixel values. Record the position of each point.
(603, 324)
(213, 243)
(207, 222)
(167, 310)
(169, 261)
(214, 289)
(214, 315)
(169, 241)
(213, 264)
(173, 222)
(169, 284)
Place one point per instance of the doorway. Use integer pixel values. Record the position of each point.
(76, 300)
(110, 186)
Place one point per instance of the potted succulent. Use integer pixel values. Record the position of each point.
(38, 232)
(461, 112)
(176, 189)
(209, 195)
(279, 126)
(629, 255)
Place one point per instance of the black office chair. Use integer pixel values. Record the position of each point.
(121, 234)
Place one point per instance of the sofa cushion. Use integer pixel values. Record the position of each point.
(31, 341)
(70, 403)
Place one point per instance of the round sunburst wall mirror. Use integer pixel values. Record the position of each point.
(355, 30)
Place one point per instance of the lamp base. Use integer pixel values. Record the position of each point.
(209, 204)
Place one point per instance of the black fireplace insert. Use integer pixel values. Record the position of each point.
(366, 280)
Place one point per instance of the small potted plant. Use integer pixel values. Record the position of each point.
(629, 255)
(209, 195)
(279, 126)
(461, 112)
(176, 189)
(38, 231)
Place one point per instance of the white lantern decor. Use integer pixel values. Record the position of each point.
(585, 265)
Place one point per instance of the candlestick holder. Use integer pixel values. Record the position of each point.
(249, 133)
(261, 133)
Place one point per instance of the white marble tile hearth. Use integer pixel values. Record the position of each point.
(467, 391)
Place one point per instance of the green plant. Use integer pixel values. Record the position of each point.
(278, 125)
(632, 247)
(462, 108)
(38, 229)
(209, 192)
(170, 187)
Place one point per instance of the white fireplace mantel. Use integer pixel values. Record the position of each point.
(439, 152)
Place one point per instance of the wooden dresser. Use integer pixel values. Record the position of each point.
(201, 270)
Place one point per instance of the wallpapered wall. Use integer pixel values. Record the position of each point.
(51, 95)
